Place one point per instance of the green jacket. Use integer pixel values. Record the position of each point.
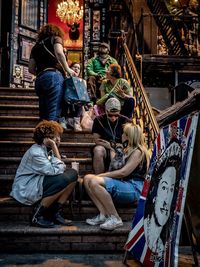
(96, 68)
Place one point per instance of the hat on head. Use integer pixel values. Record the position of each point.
(112, 105)
(105, 45)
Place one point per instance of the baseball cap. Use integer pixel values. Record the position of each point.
(105, 45)
(112, 105)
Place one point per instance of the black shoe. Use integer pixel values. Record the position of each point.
(57, 214)
(38, 218)
(42, 222)
(58, 219)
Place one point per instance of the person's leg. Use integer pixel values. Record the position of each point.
(99, 155)
(56, 190)
(92, 88)
(87, 184)
(128, 107)
(49, 87)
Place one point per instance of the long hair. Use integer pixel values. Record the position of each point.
(136, 139)
(49, 30)
(46, 129)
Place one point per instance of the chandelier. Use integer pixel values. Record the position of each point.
(70, 12)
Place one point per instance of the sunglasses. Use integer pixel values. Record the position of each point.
(112, 115)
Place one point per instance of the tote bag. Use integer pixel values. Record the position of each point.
(75, 91)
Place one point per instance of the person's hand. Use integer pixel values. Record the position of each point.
(71, 72)
(49, 142)
(104, 143)
(120, 92)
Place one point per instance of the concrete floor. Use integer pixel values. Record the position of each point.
(80, 260)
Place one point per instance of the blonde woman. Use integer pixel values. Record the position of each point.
(120, 186)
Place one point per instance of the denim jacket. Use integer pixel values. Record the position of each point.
(27, 187)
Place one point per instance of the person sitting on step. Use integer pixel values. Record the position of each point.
(123, 91)
(96, 70)
(106, 128)
(121, 186)
(42, 177)
(72, 113)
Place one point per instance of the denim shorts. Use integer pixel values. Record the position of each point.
(124, 192)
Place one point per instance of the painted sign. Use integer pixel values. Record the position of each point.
(154, 237)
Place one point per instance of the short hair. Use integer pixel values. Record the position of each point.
(46, 129)
(115, 70)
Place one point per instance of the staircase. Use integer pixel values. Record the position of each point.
(18, 117)
(167, 27)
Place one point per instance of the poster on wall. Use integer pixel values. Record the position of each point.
(73, 37)
(155, 234)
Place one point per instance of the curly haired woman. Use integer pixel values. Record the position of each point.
(42, 177)
(48, 62)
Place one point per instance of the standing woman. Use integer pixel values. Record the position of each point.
(48, 63)
(122, 186)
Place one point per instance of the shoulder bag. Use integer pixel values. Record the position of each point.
(75, 91)
(104, 98)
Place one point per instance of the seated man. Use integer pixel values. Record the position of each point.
(96, 70)
(106, 128)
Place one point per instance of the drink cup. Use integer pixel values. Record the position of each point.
(75, 166)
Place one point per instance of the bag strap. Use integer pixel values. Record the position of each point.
(114, 87)
(42, 42)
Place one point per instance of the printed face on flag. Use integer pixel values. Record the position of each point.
(154, 237)
(164, 195)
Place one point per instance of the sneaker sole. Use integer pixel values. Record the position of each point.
(112, 228)
(94, 224)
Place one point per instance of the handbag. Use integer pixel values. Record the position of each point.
(75, 91)
(105, 97)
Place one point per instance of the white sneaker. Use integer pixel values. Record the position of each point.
(96, 220)
(111, 223)
(63, 123)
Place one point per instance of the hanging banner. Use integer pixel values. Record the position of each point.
(154, 238)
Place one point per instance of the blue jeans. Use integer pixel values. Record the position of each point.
(49, 89)
(123, 192)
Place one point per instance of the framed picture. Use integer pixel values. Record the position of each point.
(74, 56)
(29, 14)
(25, 45)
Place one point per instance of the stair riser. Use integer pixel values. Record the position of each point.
(17, 92)
(19, 101)
(11, 167)
(18, 150)
(19, 111)
(24, 135)
(17, 122)
(62, 243)
(23, 214)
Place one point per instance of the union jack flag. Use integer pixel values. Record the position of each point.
(155, 233)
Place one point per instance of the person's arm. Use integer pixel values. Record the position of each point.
(102, 142)
(32, 66)
(124, 90)
(129, 167)
(90, 68)
(59, 53)
(50, 143)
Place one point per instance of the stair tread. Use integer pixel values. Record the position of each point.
(79, 227)
(18, 97)
(16, 159)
